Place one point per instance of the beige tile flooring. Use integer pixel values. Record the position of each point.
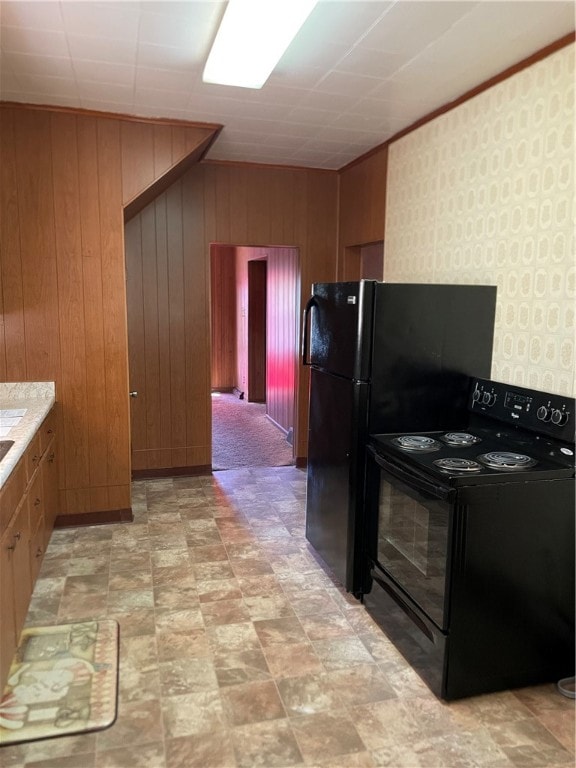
(238, 650)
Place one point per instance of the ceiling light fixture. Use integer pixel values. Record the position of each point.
(251, 39)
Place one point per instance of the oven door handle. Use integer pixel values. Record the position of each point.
(412, 479)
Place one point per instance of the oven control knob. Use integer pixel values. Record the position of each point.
(559, 417)
(489, 398)
(544, 413)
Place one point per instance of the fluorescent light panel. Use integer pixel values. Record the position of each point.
(252, 37)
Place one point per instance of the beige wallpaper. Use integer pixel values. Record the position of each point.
(485, 194)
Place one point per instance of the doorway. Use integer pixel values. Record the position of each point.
(255, 329)
(257, 311)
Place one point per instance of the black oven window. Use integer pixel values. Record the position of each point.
(412, 545)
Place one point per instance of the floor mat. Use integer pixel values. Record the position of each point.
(63, 680)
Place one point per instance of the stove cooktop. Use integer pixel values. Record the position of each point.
(479, 456)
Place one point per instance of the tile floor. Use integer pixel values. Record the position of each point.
(238, 650)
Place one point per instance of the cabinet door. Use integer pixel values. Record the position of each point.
(36, 539)
(50, 488)
(20, 532)
(37, 548)
(16, 585)
(8, 622)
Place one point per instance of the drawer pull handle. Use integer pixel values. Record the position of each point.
(39, 552)
(18, 536)
(11, 547)
(35, 459)
(51, 457)
(50, 431)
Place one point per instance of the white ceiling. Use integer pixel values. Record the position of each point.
(357, 73)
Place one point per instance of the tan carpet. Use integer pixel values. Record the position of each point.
(242, 436)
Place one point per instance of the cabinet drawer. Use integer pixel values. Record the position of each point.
(47, 430)
(12, 493)
(33, 455)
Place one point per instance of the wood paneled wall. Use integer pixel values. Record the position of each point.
(282, 304)
(223, 316)
(283, 313)
(168, 334)
(257, 330)
(251, 206)
(362, 210)
(65, 179)
(243, 254)
(251, 322)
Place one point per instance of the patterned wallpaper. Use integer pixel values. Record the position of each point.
(485, 194)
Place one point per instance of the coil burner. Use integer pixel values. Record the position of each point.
(507, 461)
(460, 439)
(416, 443)
(457, 465)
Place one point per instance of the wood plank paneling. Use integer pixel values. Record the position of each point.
(257, 328)
(151, 350)
(62, 278)
(282, 331)
(150, 151)
(72, 332)
(177, 340)
(117, 423)
(37, 246)
(13, 337)
(95, 417)
(223, 316)
(163, 312)
(217, 204)
(243, 255)
(135, 320)
(362, 206)
(137, 157)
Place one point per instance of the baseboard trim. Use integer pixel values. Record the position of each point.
(278, 426)
(149, 474)
(95, 518)
(301, 462)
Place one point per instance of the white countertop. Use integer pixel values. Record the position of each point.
(37, 398)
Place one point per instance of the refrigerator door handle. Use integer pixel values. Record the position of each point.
(310, 305)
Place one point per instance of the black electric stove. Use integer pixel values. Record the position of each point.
(469, 542)
(478, 455)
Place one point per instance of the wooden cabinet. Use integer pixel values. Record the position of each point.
(8, 623)
(28, 508)
(16, 583)
(37, 526)
(50, 488)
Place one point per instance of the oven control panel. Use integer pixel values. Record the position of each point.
(541, 412)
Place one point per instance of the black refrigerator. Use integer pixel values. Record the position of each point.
(384, 357)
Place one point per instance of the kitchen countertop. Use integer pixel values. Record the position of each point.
(37, 398)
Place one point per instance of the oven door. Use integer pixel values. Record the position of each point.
(409, 532)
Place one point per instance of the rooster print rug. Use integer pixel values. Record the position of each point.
(63, 680)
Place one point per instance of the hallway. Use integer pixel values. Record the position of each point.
(242, 435)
